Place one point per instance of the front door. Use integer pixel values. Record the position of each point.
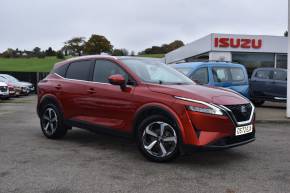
(110, 106)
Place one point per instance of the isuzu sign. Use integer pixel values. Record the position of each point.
(237, 43)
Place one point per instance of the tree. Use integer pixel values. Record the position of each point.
(165, 48)
(50, 52)
(132, 53)
(75, 45)
(36, 51)
(120, 52)
(9, 53)
(59, 55)
(286, 33)
(97, 44)
(176, 44)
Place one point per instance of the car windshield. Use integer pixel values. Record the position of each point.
(11, 78)
(154, 71)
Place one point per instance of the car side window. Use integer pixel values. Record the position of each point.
(104, 69)
(263, 74)
(79, 70)
(280, 75)
(237, 74)
(221, 74)
(200, 76)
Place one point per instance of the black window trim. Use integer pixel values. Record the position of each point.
(91, 74)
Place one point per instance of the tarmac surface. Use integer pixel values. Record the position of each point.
(88, 162)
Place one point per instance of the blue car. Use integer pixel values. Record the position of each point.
(220, 74)
(268, 84)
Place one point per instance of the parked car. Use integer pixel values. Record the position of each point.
(268, 84)
(4, 91)
(162, 109)
(14, 88)
(219, 74)
(24, 86)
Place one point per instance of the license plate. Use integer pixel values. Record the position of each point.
(244, 130)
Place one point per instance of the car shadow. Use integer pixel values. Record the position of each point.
(127, 147)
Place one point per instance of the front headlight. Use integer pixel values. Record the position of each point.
(205, 110)
(209, 108)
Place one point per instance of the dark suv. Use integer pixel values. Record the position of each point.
(162, 109)
(268, 84)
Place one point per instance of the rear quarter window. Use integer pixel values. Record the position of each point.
(61, 70)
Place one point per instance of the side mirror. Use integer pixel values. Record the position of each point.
(117, 79)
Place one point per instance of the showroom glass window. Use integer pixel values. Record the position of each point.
(254, 60)
(281, 61)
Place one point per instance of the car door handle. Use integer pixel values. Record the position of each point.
(92, 91)
(58, 86)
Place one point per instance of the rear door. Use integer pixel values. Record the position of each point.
(75, 90)
(280, 82)
(262, 84)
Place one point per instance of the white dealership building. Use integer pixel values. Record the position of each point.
(251, 50)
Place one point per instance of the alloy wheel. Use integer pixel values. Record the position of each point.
(159, 139)
(49, 121)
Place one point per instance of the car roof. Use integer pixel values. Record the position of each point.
(194, 65)
(89, 57)
(270, 68)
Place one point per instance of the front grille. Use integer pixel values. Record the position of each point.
(241, 112)
(3, 88)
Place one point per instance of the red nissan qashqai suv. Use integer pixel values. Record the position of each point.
(161, 108)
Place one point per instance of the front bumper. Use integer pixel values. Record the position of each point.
(220, 144)
(232, 141)
(4, 94)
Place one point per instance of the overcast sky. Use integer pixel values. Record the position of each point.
(134, 24)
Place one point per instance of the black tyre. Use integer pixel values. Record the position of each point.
(158, 138)
(51, 122)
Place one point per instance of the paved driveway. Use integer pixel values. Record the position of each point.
(86, 162)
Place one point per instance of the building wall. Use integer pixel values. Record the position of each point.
(220, 56)
(249, 43)
(229, 43)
